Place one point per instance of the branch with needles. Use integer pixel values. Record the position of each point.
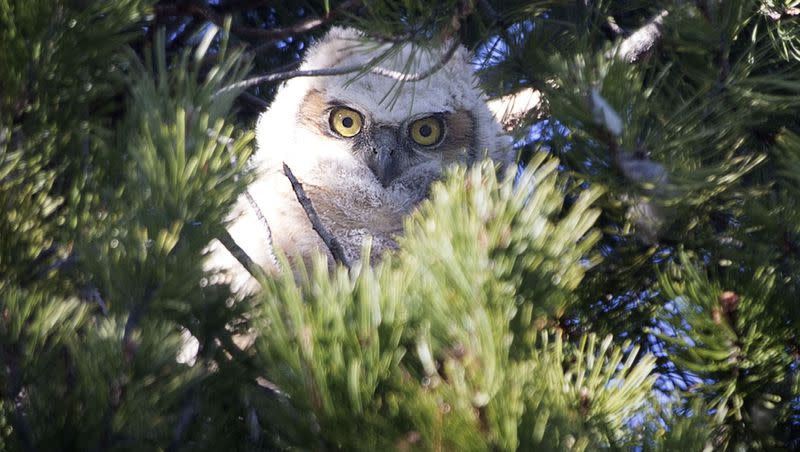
(274, 77)
(208, 12)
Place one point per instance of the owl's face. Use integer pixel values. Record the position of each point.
(366, 147)
(367, 140)
(388, 144)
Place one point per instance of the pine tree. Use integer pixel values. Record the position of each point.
(633, 286)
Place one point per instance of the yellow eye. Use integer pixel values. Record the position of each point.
(426, 131)
(346, 121)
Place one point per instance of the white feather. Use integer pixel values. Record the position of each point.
(342, 187)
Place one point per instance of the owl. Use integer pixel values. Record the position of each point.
(365, 146)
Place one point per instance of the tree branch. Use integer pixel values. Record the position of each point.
(273, 77)
(330, 241)
(613, 28)
(417, 76)
(240, 254)
(267, 230)
(642, 41)
(513, 109)
(210, 14)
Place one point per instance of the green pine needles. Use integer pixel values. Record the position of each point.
(442, 345)
(633, 286)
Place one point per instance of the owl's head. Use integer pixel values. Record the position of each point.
(373, 129)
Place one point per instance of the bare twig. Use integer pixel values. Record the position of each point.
(267, 231)
(92, 294)
(22, 426)
(330, 241)
(490, 11)
(253, 424)
(233, 350)
(273, 77)
(778, 14)
(240, 254)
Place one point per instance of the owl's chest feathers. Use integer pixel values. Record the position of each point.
(356, 212)
(350, 209)
(350, 201)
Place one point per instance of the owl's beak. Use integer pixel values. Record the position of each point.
(384, 168)
(382, 161)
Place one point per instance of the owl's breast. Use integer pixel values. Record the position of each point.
(357, 215)
(354, 205)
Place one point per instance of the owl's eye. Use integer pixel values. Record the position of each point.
(346, 121)
(426, 131)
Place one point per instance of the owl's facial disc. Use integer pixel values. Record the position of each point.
(391, 146)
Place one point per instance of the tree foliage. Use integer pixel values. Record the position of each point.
(633, 285)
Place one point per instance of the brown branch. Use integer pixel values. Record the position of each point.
(330, 241)
(275, 34)
(281, 76)
(240, 254)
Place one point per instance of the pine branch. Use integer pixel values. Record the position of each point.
(273, 77)
(330, 241)
(210, 14)
(512, 109)
(417, 76)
